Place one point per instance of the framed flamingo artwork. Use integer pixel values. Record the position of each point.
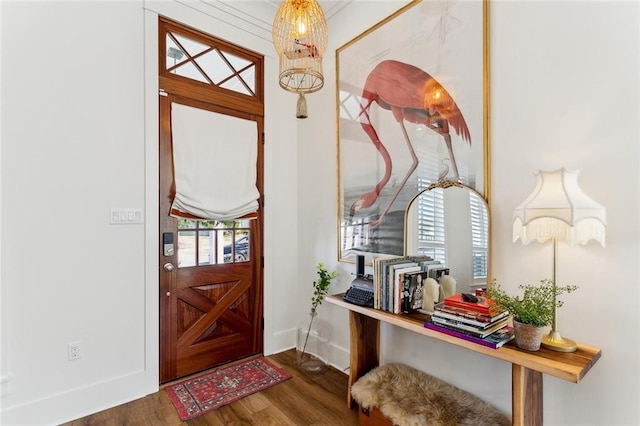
(412, 101)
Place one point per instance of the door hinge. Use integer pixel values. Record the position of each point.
(262, 138)
(162, 93)
(262, 323)
(262, 200)
(262, 261)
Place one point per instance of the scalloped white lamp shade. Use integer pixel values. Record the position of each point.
(557, 208)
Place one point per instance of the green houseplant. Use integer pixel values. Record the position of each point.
(535, 309)
(310, 359)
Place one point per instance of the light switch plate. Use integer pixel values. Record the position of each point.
(125, 216)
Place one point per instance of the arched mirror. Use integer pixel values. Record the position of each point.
(450, 222)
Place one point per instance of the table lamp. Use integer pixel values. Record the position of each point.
(558, 210)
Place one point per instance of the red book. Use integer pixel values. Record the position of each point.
(472, 317)
(483, 305)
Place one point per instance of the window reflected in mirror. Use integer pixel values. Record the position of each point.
(451, 225)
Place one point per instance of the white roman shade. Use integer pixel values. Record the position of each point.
(214, 157)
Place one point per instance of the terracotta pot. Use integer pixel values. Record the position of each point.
(528, 337)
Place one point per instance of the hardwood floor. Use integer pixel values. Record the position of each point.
(303, 400)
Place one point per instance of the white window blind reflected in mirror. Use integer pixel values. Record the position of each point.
(479, 235)
(431, 231)
(450, 223)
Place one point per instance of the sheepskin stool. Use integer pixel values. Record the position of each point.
(408, 397)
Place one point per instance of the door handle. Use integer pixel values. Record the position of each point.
(168, 266)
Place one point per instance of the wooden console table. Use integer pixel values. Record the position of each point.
(527, 367)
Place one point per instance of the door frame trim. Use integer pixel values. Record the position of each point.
(151, 200)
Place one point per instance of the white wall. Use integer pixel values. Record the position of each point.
(79, 136)
(564, 92)
(72, 142)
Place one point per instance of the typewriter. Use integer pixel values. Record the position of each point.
(360, 292)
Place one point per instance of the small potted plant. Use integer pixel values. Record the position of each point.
(312, 339)
(532, 311)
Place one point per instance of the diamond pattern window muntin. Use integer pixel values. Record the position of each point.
(209, 64)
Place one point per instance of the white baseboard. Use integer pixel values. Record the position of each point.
(281, 341)
(339, 357)
(77, 403)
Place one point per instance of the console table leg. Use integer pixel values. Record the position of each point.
(526, 387)
(364, 333)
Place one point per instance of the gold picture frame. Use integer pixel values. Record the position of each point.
(412, 108)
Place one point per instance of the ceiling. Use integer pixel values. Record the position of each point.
(253, 16)
(329, 7)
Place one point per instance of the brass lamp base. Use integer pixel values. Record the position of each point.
(555, 342)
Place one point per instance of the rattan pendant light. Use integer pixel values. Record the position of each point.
(300, 39)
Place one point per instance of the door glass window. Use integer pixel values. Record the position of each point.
(209, 242)
(209, 64)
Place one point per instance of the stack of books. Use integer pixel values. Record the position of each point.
(397, 281)
(481, 322)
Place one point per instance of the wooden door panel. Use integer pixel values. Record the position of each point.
(212, 303)
(214, 323)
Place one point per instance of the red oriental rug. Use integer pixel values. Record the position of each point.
(197, 396)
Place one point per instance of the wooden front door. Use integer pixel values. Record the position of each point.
(210, 270)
